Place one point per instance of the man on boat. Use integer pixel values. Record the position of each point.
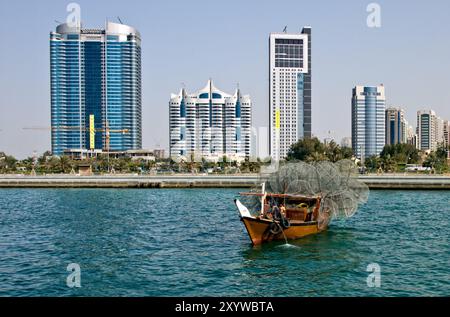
(276, 212)
(309, 215)
(265, 206)
(283, 210)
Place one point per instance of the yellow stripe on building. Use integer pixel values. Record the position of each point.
(277, 118)
(91, 132)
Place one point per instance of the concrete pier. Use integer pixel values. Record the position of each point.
(386, 181)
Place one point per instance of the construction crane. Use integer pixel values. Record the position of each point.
(91, 129)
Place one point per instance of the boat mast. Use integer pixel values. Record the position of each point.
(263, 199)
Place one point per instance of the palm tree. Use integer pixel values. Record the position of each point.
(64, 162)
(372, 163)
(389, 164)
(316, 157)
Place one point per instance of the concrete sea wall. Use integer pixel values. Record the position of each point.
(385, 181)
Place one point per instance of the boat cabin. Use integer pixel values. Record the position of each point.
(296, 208)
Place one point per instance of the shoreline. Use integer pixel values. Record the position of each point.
(386, 181)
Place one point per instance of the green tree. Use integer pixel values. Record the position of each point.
(437, 160)
(401, 153)
(65, 164)
(311, 150)
(372, 163)
(27, 163)
(388, 164)
(7, 163)
(306, 149)
(336, 153)
(317, 157)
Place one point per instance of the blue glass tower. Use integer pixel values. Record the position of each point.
(368, 120)
(96, 73)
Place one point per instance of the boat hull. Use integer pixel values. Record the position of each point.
(259, 230)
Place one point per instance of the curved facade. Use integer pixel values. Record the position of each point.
(95, 72)
(368, 120)
(210, 124)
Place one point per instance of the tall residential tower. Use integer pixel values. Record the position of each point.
(396, 126)
(368, 120)
(289, 91)
(427, 130)
(95, 88)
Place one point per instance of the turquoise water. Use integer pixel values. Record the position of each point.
(191, 243)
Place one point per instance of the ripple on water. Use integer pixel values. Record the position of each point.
(191, 243)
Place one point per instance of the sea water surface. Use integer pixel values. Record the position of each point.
(190, 242)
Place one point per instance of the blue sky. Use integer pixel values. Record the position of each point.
(191, 41)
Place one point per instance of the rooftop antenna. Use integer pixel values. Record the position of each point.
(285, 29)
(118, 18)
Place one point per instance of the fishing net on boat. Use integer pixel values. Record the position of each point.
(336, 183)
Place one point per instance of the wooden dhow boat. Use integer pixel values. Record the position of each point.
(282, 217)
(300, 199)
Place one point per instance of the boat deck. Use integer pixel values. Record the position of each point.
(292, 222)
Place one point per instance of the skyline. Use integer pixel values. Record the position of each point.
(414, 75)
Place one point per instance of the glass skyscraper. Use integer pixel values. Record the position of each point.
(95, 73)
(368, 120)
(396, 126)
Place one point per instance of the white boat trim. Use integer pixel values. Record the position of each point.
(242, 209)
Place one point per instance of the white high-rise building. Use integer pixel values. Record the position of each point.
(290, 90)
(446, 133)
(427, 130)
(210, 124)
(447, 137)
(412, 137)
(440, 130)
(346, 142)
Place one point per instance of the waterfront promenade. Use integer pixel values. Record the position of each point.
(385, 181)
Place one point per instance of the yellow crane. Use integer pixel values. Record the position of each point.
(92, 130)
